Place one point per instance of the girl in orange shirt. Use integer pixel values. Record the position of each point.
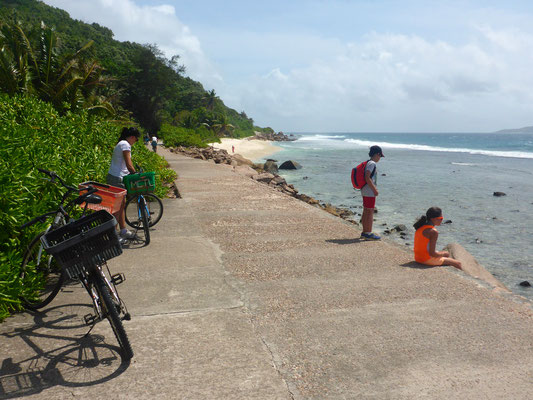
(426, 236)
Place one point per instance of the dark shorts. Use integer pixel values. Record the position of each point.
(369, 202)
(114, 181)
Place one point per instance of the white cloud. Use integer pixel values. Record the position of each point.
(399, 82)
(304, 80)
(146, 24)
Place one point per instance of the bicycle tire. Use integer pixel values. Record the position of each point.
(144, 220)
(155, 208)
(45, 266)
(110, 310)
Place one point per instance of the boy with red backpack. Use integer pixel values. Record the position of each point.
(364, 177)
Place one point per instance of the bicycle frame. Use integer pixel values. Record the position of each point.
(87, 283)
(141, 202)
(59, 220)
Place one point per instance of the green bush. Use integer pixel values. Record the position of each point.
(174, 136)
(76, 145)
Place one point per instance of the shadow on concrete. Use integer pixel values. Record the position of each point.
(135, 243)
(75, 360)
(415, 265)
(345, 241)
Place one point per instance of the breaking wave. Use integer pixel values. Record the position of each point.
(423, 147)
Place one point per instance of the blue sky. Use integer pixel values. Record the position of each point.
(341, 65)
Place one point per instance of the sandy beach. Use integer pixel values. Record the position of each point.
(251, 149)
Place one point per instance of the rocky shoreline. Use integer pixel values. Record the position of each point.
(272, 136)
(267, 173)
(264, 173)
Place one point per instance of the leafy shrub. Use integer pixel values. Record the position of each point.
(76, 145)
(177, 136)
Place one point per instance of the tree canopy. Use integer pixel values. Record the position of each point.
(84, 66)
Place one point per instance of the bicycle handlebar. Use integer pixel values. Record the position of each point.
(40, 218)
(53, 177)
(78, 200)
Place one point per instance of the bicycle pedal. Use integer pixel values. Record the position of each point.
(126, 317)
(90, 319)
(117, 279)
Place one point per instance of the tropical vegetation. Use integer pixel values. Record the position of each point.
(66, 90)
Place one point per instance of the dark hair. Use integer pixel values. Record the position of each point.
(432, 212)
(127, 132)
(375, 150)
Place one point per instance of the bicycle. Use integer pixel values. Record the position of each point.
(36, 265)
(143, 208)
(81, 248)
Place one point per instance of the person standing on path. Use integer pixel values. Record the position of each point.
(369, 192)
(426, 236)
(121, 165)
(154, 144)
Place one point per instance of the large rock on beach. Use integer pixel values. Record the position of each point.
(400, 228)
(270, 166)
(289, 189)
(308, 199)
(272, 136)
(241, 160)
(290, 164)
(279, 180)
(264, 177)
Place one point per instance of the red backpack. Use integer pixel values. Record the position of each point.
(358, 175)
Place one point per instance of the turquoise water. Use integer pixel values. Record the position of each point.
(456, 172)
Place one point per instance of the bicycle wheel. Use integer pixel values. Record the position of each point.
(154, 206)
(110, 309)
(39, 269)
(144, 220)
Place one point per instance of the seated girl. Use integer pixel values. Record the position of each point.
(426, 236)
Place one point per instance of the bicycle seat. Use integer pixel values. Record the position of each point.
(90, 198)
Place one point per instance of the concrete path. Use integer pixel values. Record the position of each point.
(245, 293)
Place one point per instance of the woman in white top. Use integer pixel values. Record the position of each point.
(121, 165)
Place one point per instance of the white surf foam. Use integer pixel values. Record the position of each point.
(422, 147)
(320, 137)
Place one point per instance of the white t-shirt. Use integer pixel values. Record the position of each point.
(118, 164)
(366, 191)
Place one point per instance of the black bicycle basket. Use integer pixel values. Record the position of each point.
(84, 243)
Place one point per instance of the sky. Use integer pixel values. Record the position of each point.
(344, 65)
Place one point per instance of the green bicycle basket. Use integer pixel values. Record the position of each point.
(143, 182)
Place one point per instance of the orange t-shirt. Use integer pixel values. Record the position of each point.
(421, 246)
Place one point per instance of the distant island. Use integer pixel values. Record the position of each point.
(525, 129)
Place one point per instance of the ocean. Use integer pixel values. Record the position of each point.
(457, 172)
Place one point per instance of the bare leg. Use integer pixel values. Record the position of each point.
(452, 262)
(367, 219)
(120, 215)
